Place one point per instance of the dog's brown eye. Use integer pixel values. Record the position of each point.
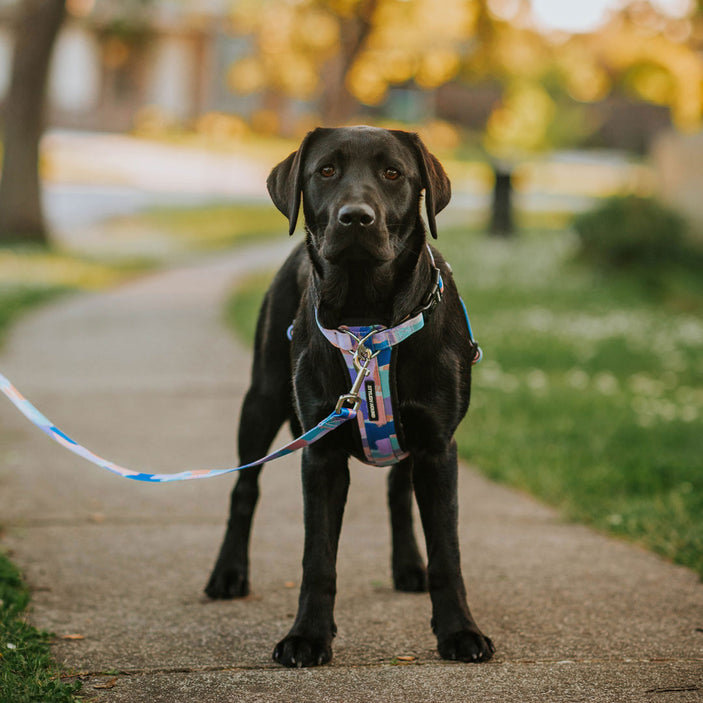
(391, 174)
(327, 171)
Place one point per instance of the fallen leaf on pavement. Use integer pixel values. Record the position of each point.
(108, 684)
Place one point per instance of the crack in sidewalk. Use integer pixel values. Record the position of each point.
(274, 668)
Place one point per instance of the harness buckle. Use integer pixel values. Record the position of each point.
(433, 297)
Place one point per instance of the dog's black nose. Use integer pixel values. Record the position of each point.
(359, 214)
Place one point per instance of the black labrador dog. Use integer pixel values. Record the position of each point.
(365, 260)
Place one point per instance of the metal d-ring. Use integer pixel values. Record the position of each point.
(362, 354)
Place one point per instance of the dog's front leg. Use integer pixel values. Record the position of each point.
(458, 635)
(325, 487)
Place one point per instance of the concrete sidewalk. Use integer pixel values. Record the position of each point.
(146, 375)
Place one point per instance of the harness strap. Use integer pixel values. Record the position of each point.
(347, 338)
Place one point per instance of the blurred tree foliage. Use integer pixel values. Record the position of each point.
(346, 53)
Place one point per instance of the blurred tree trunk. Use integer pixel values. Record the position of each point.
(37, 26)
(502, 224)
(338, 104)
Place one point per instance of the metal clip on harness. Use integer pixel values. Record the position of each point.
(362, 358)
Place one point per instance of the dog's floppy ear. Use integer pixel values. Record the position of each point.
(438, 189)
(285, 183)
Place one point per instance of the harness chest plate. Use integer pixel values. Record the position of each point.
(375, 416)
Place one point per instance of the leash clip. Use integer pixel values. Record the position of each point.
(362, 359)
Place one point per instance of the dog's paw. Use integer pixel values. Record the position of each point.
(466, 646)
(297, 651)
(410, 578)
(226, 584)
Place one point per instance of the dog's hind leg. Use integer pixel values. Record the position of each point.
(409, 573)
(267, 405)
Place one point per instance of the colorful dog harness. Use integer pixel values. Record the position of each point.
(373, 346)
(377, 427)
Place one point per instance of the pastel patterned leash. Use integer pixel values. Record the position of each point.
(341, 415)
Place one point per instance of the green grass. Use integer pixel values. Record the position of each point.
(242, 308)
(28, 673)
(590, 396)
(210, 227)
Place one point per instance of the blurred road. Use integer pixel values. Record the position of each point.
(70, 205)
(90, 177)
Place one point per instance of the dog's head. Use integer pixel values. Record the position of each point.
(361, 189)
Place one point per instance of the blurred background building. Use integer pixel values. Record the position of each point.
(110, 62)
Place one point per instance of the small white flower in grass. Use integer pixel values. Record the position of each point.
(689, 413)
(509, 383)
(645, 409)
(667, 410)
(645, 385)
(540, 319)
(577, 378)
(690, 332)
(606, 383)
(687, 395)
(490, 375)
(537, 381)
(9, 645)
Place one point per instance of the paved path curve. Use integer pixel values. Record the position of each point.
(146, 375)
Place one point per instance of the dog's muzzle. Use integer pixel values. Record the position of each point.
(354, 235)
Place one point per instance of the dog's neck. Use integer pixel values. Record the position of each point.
(361, 294)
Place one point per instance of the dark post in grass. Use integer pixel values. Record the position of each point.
(502, 203)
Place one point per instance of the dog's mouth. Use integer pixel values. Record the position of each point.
(357, 255)
(349, 247)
